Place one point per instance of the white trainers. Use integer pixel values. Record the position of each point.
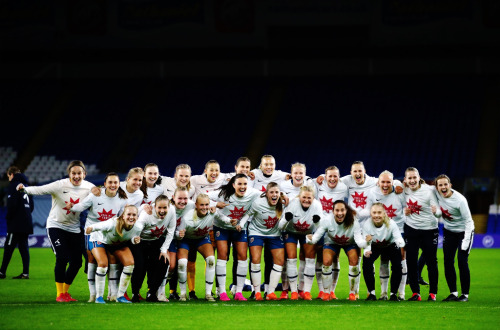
(209, 297)
(162, 297)
(233, 290)
(112, 298)
(92, 298)
(182, 297)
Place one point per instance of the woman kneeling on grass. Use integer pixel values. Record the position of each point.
(384, 239)
(115, 233)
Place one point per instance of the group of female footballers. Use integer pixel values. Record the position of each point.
(155, 225)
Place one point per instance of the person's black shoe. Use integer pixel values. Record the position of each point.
(394, 298)
(174, 296)
(252, 295)
(463, 298)
(22, 277)
(421, 281)
(136, 298)
(192, 295)
(451, 297)
(371, 297)
(2, 275)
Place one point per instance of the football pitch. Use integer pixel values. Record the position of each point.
(31, 304)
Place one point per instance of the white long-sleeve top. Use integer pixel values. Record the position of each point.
(327, 196)
(264, 220)
(134, 198)
(291, 191)
(382, 236)
(179, 213)
(260, 182)
(169, 185)
(152, 227)
(101, 208)
(197, 227)
(201, 184)
(456, 213)
(338, 234)
(106, 233)
(237, 208)
(394, 205)
(63, 191)
(153, 192)
(302, 222)
(419, 202)
(358, 193)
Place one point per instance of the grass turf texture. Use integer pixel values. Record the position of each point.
(31, 304)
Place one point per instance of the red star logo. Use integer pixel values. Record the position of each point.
(157, 232)
(270, 222)
(201, 232)
(103, 216)
(414, 207)
(237, 213)
(263, 189)
(359, 199)
(342, 240)
(327, 204)
(382, 243)
(144, 202)
(446, 214)
(391, 212)
(72, 202)
(301, 226)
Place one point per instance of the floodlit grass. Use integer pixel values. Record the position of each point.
(31, 304)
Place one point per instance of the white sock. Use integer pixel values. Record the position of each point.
(113, 278)
(284, 278)
(182, 271)
(402, 284)
(384, 277)
(91, 277)
(161, 289)
(220, 272)
(302, 266)
(335, 275)
(309, 271)
(291, 272)
(100, 281)
(209, 274)
(327, 277)
(353, 279)
(274, 277)
(266, 288)
(319, 278)
(255, 276)
(125, 279)
(241, 274)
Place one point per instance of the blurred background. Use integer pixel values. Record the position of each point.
(119, 84)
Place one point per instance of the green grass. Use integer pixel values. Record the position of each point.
(31, 304)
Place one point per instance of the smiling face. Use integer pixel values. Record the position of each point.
(332, 178)
(339, 212)
(267, 165)
(134, 182)
(412, 179)
(358, 173)
(273, 195)
(240, 187)
(76, 175)
(243, 167)
(444, 187)
(212, 172)
(112, 184)
(161, 209)
(385, 183)
(182, 177)
(306, 198)
(377, 213)
(130, 217)
(151, 175)
(181, 199)
(298, 175)
(202, 206)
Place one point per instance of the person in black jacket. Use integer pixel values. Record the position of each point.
(19, 222)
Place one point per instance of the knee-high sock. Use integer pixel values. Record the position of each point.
(161, 289)
(353, 279)
(182, 271)
(335, 275)
(209, 274)
(319, 278)
(241, 274)
(255, 276)
(274, 277)
(384, 277)
(302, 266)
(91, 269)
(113, 278)
(284, 279)
(309, 271)
(100, 280)
(402, 285)
(327, 277)
(125, 279)
(291, 272)
(220, 272)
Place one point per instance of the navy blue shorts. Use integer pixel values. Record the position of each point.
(92, 244)
(294, 238)
(195, 243)
(222, 234)
(336, 248)
(274, 242)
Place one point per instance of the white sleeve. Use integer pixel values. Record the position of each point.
(85, 204)
(170, 233)
(103, 225)
(434, 202)
(469, 223)
(358, 236)
(47, 189)
(398, 239)
(320, 231)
